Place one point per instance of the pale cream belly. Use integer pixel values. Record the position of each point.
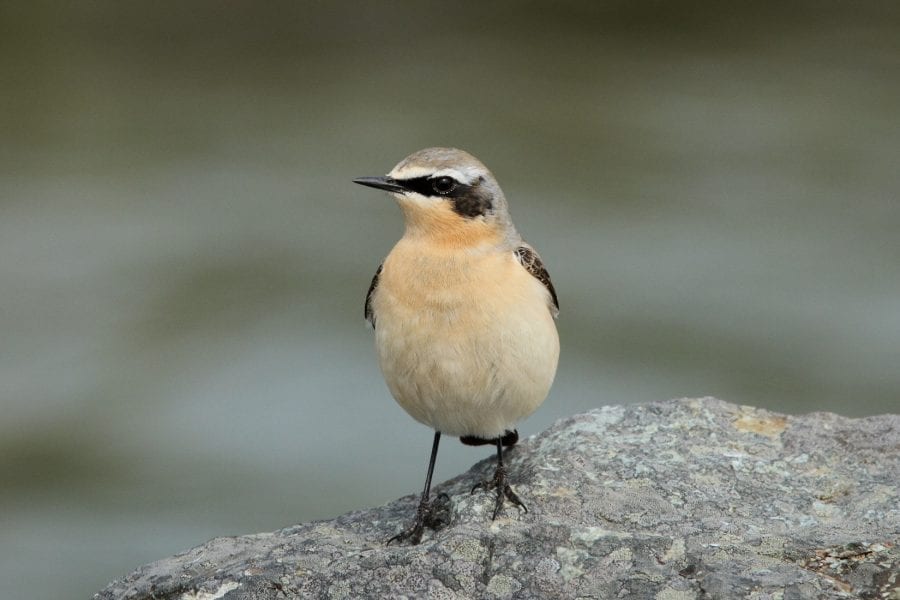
(461, 363)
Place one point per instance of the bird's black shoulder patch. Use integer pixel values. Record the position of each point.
(529, 259)
(370, 315)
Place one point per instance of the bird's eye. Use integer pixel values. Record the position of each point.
(443, 185)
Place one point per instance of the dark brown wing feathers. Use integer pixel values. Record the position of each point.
(529, 259)
(370, 316)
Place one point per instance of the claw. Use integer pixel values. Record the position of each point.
(504, 491)
(433, 514)
(426, 515)
(413, 534)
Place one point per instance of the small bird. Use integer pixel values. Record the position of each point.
(463, 312)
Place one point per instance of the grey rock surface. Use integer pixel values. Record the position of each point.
(693, 498)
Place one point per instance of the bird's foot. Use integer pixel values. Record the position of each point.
(433, 514)
(500, 482)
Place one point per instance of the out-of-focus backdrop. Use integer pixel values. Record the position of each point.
(183, 258)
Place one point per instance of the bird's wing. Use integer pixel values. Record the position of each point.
(370, 315)
(529, 258)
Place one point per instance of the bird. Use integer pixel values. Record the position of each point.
(463, 312)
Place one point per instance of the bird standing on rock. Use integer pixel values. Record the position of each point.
(463, 311)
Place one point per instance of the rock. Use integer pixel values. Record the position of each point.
(671, 501)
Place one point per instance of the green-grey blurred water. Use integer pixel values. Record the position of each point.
(183, 259)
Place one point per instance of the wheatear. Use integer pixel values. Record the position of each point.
(463, 312)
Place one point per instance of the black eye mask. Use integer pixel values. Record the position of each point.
(468, 200)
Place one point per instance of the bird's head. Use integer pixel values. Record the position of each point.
(447, 195)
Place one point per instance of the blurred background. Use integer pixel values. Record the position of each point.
(183, 259)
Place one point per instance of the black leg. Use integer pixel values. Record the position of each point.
(500, 482)
(424, 514)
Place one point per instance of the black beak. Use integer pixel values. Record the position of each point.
(382, 183)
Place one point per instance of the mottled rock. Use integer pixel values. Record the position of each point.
(670, 501)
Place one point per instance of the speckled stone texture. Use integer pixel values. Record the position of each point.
(692, 498)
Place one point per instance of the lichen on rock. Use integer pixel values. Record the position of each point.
(673, 500)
